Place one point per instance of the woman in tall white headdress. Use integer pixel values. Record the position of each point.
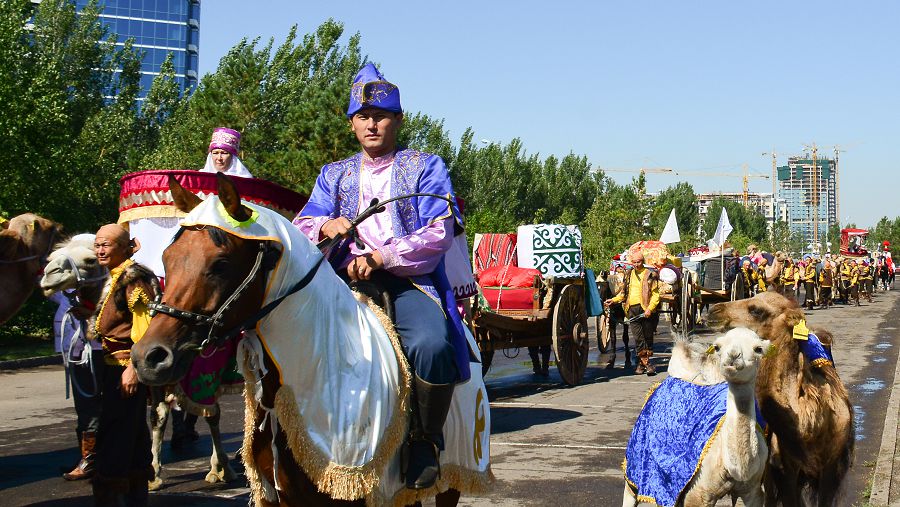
(223, 154)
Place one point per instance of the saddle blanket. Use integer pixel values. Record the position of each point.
(677, 425)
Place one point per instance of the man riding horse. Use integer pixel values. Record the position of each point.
(402, 250)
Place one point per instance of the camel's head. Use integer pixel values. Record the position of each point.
(739, 352)
(769, 314)
(60, 272)
(37, 233)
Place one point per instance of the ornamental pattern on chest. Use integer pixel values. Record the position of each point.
(344, 182)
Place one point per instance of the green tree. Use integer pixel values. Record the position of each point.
(614, 222)
(61, 136)
(749, 225)
(683, 200)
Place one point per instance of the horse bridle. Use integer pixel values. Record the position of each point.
(214, 321)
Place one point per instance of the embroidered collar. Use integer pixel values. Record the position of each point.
(378, 161)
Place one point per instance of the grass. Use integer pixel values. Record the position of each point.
(866, 494)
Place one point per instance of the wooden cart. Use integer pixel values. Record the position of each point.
(558, 317)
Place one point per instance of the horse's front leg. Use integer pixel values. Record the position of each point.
(219, 468)
(159, 415)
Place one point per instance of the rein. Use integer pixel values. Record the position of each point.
(214, 321)
(43, 257)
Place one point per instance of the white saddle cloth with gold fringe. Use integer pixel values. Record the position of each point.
(343, 404)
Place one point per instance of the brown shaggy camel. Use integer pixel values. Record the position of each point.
(24, 244)
(806, 406)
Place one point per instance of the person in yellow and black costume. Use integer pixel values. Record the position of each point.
(123, 437)
(850, 281)
(749, 277)
(826, 282)
(761, 285)
(866, 276)
(640, 298)
(789, 277)
(809, 277)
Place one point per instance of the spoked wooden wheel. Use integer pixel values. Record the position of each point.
(687, 303)
(601, 323)
(570, 334)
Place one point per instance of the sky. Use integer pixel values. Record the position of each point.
(688, 85)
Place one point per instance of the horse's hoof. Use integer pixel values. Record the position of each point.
(155, 484)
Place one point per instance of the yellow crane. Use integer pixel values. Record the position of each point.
(641, 170)
(745, 177)
(668, 170)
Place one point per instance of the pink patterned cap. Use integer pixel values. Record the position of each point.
(225, 139)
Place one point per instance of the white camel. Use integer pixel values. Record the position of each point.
(73, 265)
(735, 459)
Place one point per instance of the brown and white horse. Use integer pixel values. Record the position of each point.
(217, 280)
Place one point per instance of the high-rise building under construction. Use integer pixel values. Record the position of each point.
(808, 188)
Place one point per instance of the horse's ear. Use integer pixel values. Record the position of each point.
(185, 201)
(230, 198)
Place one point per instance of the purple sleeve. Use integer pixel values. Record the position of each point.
(420, 252)
(311, 226)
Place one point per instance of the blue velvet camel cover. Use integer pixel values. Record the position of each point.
(669, 440)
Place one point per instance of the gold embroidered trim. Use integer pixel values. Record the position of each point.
(111, 287)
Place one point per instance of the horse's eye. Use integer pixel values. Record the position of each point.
(218, 267)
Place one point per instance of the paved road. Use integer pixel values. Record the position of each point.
(551, 445)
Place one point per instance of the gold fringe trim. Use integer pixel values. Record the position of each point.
(246, 450)
(137, 294)
(348, 482)
(706, 446)
(820, 362)
(339, 482)
(152, 211)
(452, 476)
(200, 409)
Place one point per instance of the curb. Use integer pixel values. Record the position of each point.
(888, 461)
(30, 362)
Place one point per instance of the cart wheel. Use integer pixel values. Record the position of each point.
(570, 335)
(487, 357)
(602, 326)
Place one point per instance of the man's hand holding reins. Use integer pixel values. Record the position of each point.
(362, 267)
(337, 227)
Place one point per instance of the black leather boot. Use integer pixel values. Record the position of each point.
(426, 440)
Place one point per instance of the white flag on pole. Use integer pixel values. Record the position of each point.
(723, 229)
(670, 233)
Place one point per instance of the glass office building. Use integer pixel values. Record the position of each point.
(809, 191)
(159, 27)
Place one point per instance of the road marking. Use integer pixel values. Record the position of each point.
(527, 404)
(563, 446)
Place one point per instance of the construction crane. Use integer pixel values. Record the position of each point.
(641, 170)
(746, 179)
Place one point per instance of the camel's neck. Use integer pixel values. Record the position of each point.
(739, 429)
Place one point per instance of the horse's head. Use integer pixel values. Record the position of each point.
(70, 263)
(206, 268)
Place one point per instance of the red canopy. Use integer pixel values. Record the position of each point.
(851, 242)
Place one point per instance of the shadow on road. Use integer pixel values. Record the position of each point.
(506, 419)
